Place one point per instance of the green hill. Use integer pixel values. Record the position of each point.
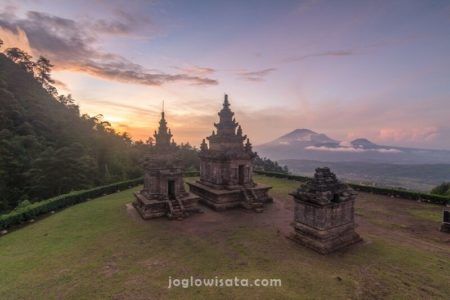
(47, 147)
(102, 250)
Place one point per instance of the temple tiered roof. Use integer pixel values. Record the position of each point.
(229, 136)
(163, 137)
(226, 168)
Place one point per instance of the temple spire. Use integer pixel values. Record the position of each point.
(163, 135)
(226, 104)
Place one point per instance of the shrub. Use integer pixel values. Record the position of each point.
(443, 189)
(26, 211)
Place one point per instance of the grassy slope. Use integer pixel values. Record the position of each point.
(95, 250)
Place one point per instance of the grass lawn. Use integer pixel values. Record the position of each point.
(100, 250)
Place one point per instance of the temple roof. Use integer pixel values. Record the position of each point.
(324, 188)
(163, 136)
(229, 136)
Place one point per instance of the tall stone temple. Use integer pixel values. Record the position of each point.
(164, 193)
(324, 213)
(226, 168)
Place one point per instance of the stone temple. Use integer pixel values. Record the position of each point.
(324, 213)
(226, 168)
(445, 227)
(164, 193)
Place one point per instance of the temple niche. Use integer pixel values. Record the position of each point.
(164, 193)
(226, 168)
(324, 213)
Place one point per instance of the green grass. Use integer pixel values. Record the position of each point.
(95, 250)
(427, 213)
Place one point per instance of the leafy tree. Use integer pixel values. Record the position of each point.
(442, 189)
(46, 147)
(46, 178)
(69, 102)
(20, 57)
(265, 164)
(189, 157)
(43, 68)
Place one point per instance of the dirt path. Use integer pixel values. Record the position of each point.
(376, 216)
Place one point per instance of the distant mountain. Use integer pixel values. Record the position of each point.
(305, 144)
(300, 136)
(364, 143)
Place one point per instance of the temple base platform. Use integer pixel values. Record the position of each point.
(252, 198)
(150, 207)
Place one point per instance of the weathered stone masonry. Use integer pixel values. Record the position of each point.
(226, 169)
(324, 214)
(164, 193)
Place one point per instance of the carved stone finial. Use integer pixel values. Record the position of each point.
(248, 146)
(239, 131)
(225, 101)
(203, 146)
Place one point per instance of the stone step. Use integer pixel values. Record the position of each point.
(258, 209)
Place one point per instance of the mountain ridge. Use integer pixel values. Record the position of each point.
(307, 144)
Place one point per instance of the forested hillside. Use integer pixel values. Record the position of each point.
(47, 148)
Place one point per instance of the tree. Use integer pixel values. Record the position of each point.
(47, 148)
(265, 164)
(20, 57)
(66, 100)
(59, 171)
(43, 68)
(69, 102)
(442, 189)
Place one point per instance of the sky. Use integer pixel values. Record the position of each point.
(350, 69)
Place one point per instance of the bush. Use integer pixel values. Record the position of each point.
(283, 175)
(26, 211)
(29, 211)
(443, 189)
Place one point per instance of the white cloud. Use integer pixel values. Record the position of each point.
(351, 149)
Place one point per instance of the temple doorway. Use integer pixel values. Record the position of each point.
(171, 189)
(241, 174)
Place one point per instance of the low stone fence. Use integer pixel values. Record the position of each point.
(411, 195)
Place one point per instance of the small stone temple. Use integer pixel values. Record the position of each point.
(226, 168)
(324, 213)
(164, 193)
(445, 227)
